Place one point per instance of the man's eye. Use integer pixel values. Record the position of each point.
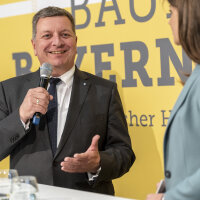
(65, 34)
(46, 36)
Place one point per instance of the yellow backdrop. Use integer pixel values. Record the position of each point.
(128, 41)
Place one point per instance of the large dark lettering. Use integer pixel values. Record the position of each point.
(99, 65)
(164, 118)
(81, 51)
(84, 8)
(167, 52)
(109, 8)
(138, 66)
(18, 57)
(145, 18)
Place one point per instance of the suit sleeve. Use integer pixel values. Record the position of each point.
(118, 156)
(11, 128)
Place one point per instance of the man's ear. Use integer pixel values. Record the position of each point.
(33, 44)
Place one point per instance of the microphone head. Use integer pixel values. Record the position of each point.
(45, 70)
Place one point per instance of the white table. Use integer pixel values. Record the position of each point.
(47, 192)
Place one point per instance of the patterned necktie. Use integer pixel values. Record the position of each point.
(52, 114)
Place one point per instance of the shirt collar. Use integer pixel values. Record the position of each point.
(68, 76)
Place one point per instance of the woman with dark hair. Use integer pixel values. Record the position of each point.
(182, 136)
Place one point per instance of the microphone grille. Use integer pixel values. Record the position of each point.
(45, 70)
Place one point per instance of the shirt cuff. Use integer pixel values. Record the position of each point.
(92, 176)
(26, 126)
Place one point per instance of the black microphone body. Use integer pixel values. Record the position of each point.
(45, 72)
(44, 82)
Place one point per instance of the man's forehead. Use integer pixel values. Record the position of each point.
(61, 22)
(53, 18)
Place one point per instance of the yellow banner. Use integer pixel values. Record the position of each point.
(126, 41)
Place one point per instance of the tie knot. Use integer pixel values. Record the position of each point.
(54, 81)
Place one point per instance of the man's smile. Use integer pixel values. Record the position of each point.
(57, 52)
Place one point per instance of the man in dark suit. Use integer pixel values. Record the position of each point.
(92, 142)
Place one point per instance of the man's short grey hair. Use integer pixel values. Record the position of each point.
(51, 11)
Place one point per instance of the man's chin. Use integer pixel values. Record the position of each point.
(56, 64)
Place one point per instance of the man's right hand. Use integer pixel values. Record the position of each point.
(36, 100)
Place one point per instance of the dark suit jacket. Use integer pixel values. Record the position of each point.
(95, 108)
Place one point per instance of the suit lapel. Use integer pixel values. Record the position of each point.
(33, 80)
(181, 98)
(79, 92)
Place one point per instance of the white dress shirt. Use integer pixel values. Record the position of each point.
(64, 89)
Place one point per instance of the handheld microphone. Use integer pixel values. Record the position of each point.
(45, 73)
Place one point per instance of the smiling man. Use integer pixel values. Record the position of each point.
(88, 144)
(54, 41)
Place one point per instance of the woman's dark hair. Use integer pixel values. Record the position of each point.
(189, 26)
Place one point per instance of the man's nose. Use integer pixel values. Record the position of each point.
(57, 40)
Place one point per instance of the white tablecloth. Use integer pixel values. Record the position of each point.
(47, 192)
